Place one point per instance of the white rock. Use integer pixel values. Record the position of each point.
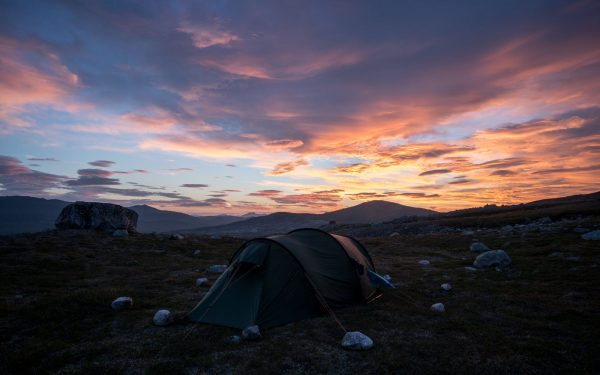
(394, 234)
(176, 236)
(201, 281)
(196, 253)
(446, 286)
(162, 318)
(120, 233)
(217, 268)
(592, 236)
(387, 277)
(478, 247)
(356, 341)
(467, 233)
(438, 307)
(251, 333)
(424, 262)
(122, 303)
(470, 269)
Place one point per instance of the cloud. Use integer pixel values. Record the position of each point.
(194, 185)
(287, 167)
(435, 171)
(101, 163)
(42, 159)
(503, 172)
(90, 177)
(420, 195)
(352, 168)
(265, 193)
(179, 169)
(17, 179)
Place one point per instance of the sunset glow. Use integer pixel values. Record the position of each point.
(233, 107)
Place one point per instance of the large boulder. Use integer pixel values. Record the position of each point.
(492, 258)
(99, 216)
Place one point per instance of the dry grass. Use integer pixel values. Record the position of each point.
(539, 316)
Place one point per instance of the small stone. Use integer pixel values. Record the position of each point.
(162, 318)
(478, 247)
(356, 341)
(201, 281)
(196, 253)
(19, 297)
(446, 286)
(498, 269)
(573, 258)
(438, 307)
(492, 258)
(217, 268)
(581, 230)
(251, 333)
(470, 269)
(122, 303)
(424, 262)
(394, 234)
(120, 233)
(387, 277)
(555, 254)
(467, 233)
(592, 236)
(215, 237)
(233, 339)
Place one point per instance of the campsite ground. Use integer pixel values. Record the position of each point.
(538, 316)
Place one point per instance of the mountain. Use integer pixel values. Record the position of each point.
(21, 214)
(28, 214)
(281, 222)
(373, 212)
(154, 220)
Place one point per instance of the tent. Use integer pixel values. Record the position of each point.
(280, 279)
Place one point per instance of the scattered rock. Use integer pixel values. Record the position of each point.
(478, 247)
(162, 318)
(470, 269)
(356, 341)
(394, 234)
(492, 258)
(251, 333)
(99, 216)
(581, 230)
(19, 297)
(573, 258)
(544, 220)
(592, 236)
(233, 339)
(176, 236)
(498, 269)
(438, 307)
(201, 281)
(467, 233)
(215, 237)
(122, 303)
(446, 286)
(387, 277)
(217, 268)
(120, 233)
(196, 253)
(424, 262)
(575, 296)
(555, 254)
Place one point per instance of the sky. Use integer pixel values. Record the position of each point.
(228, 107)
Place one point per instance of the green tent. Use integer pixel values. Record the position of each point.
(284, 278)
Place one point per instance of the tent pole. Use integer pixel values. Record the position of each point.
(323, 302)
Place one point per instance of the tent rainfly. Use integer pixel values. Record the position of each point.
(285, 278)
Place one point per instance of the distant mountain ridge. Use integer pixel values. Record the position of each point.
(280, 222)
(22, 214)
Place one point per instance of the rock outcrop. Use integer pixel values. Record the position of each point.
(99, 216)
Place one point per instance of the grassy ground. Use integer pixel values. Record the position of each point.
(539, 316)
